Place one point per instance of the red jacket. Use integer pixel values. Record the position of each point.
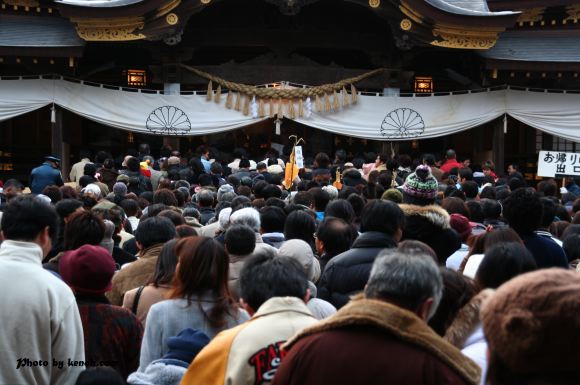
(373, 342)
(449, 164)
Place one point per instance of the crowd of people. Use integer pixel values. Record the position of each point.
(364, 270)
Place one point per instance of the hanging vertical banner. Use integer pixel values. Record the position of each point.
(552, 163)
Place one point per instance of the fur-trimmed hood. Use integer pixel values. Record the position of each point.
(434, 214)
(400, 323)
(467, 320)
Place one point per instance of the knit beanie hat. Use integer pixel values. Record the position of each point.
(186, 345)
(120, 188)
(88, 269)
(532, 322)
(301, 252)
(460, 224)
(421, 184)
(393, 195)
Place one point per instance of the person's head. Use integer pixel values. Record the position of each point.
(429, 160)
(66, 207)
(320, 198)
(205, 198)
(488, 167)
(464, 174)
(470, 189)
(420, 187)
(512, 168)
(165, 266)
(244, 163)
(174, 215)
(499, 237)
(131, 207)
(100, 375)
(303, 198)
(12, 188)
(475, 211)
(300, 225)
(523, 210)
(203, 150)
(528, 324)
(165, 196)
(153, 231)
(340, 156)
(408, 280)
(240, 202)
(240, 240)
(414, 246)
(461, 225)
(458, 290)
(503, 262)
(83, 228)
(515, 183)
(384, 217)
(203, 266)
(340, 208)
(271, 191)
(466, 162)
(571, 246)
(88, 269)
(132, 163)
(455, 205)
(90, 169)
(558, 228)
(491, 209)
(334, 236)
(272, 219)
(301, 252)
(450, 154)
(246, 216)
(322, 160)
(266, 275)
(29, 219)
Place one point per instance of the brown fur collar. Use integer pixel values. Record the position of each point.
(433, 213)
(400, 323)
(467, 319)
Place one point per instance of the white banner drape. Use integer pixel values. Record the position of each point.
(373, 117)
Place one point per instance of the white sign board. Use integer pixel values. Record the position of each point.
(553, 163)
(299, 157)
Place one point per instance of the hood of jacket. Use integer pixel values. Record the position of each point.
(432, 214)
(402, 324)
(467, 320)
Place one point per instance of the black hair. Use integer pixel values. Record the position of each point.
(515, 182)
(240, 240)
(340, 155)
(475, 211)
(85, 228)
(271, 191)
(53, 192)
(66, 207)
(240, 202)
(548, 188)
(340, 208)
(548, 213)
(571, 246)
(101, 375)
(336, 234)
(523, 210)
(429, 159)
(266, 276)
(165, 266)
(133, 164)
(272, 219)
(25, 217)
(154, 230)
(465, 173)
(382, 216)
(488, 192)
(502, 263)
(205, 180)
(277, 202)
(358, 203)
(303, 198)
(175, 217)
(491, 209)
(90, 169)
(13, 183)
(320, 198)
(244, 163)
(470, 189)
(300, 225)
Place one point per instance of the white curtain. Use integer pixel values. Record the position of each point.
(373, 117)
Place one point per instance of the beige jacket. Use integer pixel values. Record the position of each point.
(149, 297)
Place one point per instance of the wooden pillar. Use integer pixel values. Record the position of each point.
(57, 144)
(498, 145)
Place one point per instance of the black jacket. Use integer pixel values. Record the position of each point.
(348, 273)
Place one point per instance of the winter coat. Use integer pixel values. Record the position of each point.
(430, 224)
(150, 295)
(250, 353)
(373, 342)
(466, 333)
(207, 213)
(134, 274)
(138, 183)
(160, 372)
(40, 320)
(44, 175)
(348, 273)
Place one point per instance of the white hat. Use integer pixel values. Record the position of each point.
(300, 251)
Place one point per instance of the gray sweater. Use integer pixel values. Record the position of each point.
(168, 318)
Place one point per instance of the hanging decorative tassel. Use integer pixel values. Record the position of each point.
(280, 109)
(238, 106)
(327, 105)
(271, 111)
(300, 108)
(335, 102)
(261, 108)
(52, 114)
(345, 98)
(278, 123)
(308, 106)
(247, 105)
(318, 104)
(218, 95)
(209, 91)
(230, 100)
(505, 123)
(354, 96)
(291, 110)
(254, 107)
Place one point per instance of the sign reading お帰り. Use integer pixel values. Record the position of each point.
(552, 163)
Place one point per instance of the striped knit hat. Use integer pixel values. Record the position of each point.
(421, 184)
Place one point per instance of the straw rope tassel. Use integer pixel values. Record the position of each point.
(230, 100)
(327, 105)
(209, 91)
(261, 109)
(335, 102)
(280, 109)
(218, 95)
(300, 108)
(238, 106)
(318, 104)
(291, 110)
(345, 98)
(271, 109)
(247, 105)
(354, 95)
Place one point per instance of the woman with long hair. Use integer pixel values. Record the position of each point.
(199, 298)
